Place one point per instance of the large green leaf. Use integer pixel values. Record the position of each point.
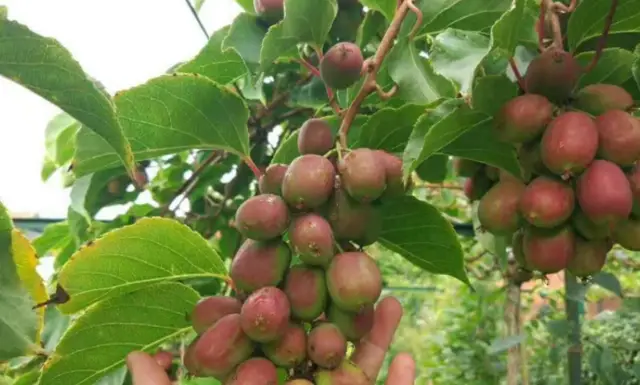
(20, 289)
(54, 237)
(434, 169)
(169, 114)
(45, 67)
(417, 81)
(492, 92)
(587, 21)
(59, 141)
(385, 7)
(389, 128)
(515, 25)
(636, 66)
(614, 67)
(149, 251)
(245, 37)
(100, 339)
(418, 232)
(212, 61)
(470, 15)
(456, 54)
(304, 22)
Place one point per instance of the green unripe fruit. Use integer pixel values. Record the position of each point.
(498, 210)
(306, 289)
(315, 137)
(353, 325)
(210, 309)
(326, 346)
(262, 217)
(354, 221)
(341, 66)
(587, 228)
(290, 350)
(554, 74)
(265, 315)
(362, 175)
(597, 99)
(627, 234)
(523, 118)
(308, 182)
(271, 181)
(354, 281)
(590, 257)
(259, 264)
(346, 374)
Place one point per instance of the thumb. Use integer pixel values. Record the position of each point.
(145, 370)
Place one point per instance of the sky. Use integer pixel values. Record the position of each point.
(121, 43)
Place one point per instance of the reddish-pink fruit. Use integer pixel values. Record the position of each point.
(588, 229)
(265, 314)
(362, 175)
(633, 177)
(547, 202)
(270, 10)
(341, 65)
(315, 137)
(308, 182)
(306, 289)
(466, 168)
(311, 237)
(590, 257)
(353, 325)
(627, 234)
(498, 211)
(259, 264)
(604, 193)
(221, 348)
(393, 171)
(548, 250)
(210, 309)
(327, 346)
(597, 99)
(271, 181)
(346, 374)
(352, 220)
(290, 350)
(255, 371)
(619, 137)
(523, 118)
(569, 144)
(553, 74)
(262, 217)
(354, 281)
(189, 360)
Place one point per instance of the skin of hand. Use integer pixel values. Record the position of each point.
(369, 354)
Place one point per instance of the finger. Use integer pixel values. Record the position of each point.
(371, 350)
(145, 370)
(164, 359)
(402, 370)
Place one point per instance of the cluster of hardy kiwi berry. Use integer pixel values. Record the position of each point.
(322, 209)
(579, 152)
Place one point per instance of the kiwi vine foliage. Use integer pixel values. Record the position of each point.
(186, 135)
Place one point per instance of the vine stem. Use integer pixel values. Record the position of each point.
(541, 20)
(252, 165)
(603, 38)
(555, 23)
(373, 64)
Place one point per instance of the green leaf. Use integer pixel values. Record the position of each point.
(92, 192)
(247, 5)
(4, 12)
(99, 340)
(608, 281)
(559, 328)
(59, 140)
(419, 233)
(55, 236)
(312, 94)
(614, 67)
(503, 344)
(20, 289)
(197, 4)
(149, 251)
(389, 128)
(46, 68)
(514, 25)
(304, 22)
(480, 144)
(212, 61)
(636, 66)
(170, 114)
(587, 21)
(245, 37)
(491, 92)
(434, 169)
(456, 54)
(470, 15)
(437, 129)
(372, 24)
(417, 81)
(385, 7)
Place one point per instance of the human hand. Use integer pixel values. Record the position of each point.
(369, 354)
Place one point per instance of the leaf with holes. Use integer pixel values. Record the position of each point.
(98, 341)
(149, 251)
(614, 67)
(389, 128)
(587, 21)
(46, 68)
(304, 22)
(212, 61)
(169, 114)
(20, 289)
(419, 233)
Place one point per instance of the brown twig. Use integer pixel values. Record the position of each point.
(555, 24)
(603, 38)
(373, 65)
(518, 75)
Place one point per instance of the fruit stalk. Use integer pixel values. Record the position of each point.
(372, 65)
